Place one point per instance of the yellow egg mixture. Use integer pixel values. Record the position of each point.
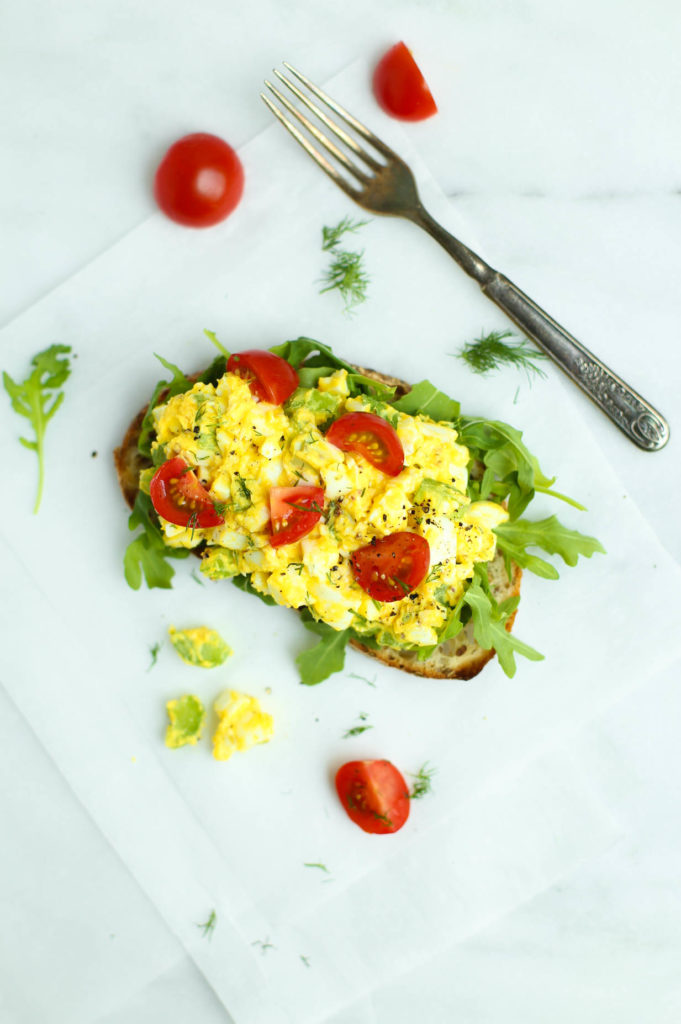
(241, 447)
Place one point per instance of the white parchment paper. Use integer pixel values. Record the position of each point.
(507, 817)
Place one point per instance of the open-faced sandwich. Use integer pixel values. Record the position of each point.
(386, 517)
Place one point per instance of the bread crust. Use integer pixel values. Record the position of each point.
(458, 658)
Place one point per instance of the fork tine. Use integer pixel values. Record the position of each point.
(331, 125)
(360, 128)
(319, 136)
(309, 148)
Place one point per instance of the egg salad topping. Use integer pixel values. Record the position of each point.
(240, 448)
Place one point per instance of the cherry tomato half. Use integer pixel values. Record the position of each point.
(181, 498)
(294, 511)
(400, 88)
(374, 794)
(199, 181)
(272, 379)
(391, 567)
(370, 436)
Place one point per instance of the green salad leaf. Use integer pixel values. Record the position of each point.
(178, 384)
(147, 555)
(243, 582)
(489, 622)
(326, 657)
(511, 472)
(514, 538)
(428, 400)
(37, 399)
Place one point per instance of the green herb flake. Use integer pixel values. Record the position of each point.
(153, 651)
(422, 781)
(208, 926)
(369, 682)
(494, 350)
(306, 960)
(319, 866)
(263, 945)
(37, 399)
(357, 730)
(347, 274)
(332, 236)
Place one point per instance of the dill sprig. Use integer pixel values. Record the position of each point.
(493, 350)
(346, 273)
(332, 236)
(423, 781)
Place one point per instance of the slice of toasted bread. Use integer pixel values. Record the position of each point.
(458, 658)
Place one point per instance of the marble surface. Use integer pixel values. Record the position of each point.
(558, 139)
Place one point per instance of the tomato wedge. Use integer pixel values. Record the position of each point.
(400, 88)
(370, 436)
(391, 567)
(374, 794)
(178, 496)
(294, 511)
(199, 181)
(271, 378)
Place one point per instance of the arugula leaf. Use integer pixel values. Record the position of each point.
(301, 350)
(514, 538)
(147, 554)
(489, 622)
(511, 471)
(425, 398)
(31, 398)
(326, 657)
(177, 386)
(213, 338)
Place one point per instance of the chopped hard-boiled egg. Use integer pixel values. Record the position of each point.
(241, 724)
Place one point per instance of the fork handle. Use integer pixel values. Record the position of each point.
(628, 410)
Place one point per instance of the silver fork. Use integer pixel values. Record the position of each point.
(385, 185)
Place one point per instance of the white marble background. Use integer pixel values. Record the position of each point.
(559, 139)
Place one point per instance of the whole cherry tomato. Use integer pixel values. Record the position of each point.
(199, 181)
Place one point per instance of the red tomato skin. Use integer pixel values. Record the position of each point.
(300, 521)
(199, 181)
(374, 794)
(360, 432)
(180, 498)
(271, 378)
(400, 88)
(401, 556)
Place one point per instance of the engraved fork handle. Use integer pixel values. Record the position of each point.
(632, 414)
